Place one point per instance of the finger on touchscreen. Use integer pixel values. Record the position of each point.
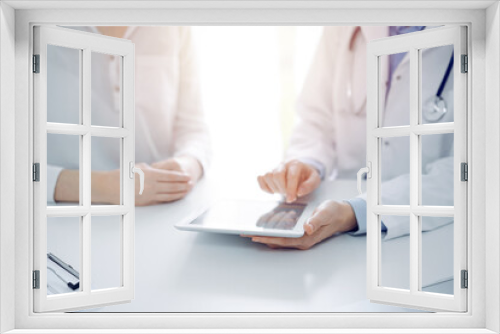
(292, 183)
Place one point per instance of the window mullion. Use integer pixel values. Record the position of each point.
(86, 178)
(67, 129)
(434, 128)
(405, 210)
(86, 107)
(110, 132)
(414, 181)
(418, 133)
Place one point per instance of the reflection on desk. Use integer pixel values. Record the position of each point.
(180, 271)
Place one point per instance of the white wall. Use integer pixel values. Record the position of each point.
(492, 163)
(251, 76)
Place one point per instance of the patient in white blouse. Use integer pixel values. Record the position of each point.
(172, 139)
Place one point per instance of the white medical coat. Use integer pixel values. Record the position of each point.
(330, 132)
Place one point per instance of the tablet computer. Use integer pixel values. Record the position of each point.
(250, 217)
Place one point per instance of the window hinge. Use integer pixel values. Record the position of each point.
(36, 279)
(464, 171)
(465, 279)
(36, 172)
(465, 64)
(36, 63)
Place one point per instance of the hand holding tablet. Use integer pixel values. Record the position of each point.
(328, 219)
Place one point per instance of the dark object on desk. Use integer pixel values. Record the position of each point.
(66, 267)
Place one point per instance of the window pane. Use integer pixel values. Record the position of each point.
(106, 89)
(106, 252)
(395, 255)
(106, 157)
(395, 169)
(63, 84)
(437, 169)
(63, 166)
(63, 255)
(437, 254)
(394, 77)
(437, 84)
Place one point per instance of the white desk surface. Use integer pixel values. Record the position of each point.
(181, 271)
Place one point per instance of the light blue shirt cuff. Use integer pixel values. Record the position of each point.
(359, 207)
(316, 164)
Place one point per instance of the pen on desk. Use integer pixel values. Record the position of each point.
(66, 267)
(63, 265)
(69, 284)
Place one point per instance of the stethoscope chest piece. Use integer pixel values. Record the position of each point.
(434, 109)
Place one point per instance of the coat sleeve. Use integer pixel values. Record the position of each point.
(314, 133)
(437, 189)
(191, 135)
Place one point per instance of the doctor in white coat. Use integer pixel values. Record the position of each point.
(330, 138)
(172, 139)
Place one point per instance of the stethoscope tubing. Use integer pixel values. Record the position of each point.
(438, 109)
(445, 77)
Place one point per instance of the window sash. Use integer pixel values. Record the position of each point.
(87, 43)
(412, 43)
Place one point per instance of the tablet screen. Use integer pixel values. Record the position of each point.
(242, 215)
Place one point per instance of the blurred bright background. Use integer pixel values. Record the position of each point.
(251, 77)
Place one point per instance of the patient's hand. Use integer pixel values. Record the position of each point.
(160, 186)
(183, 164)
(329, 218)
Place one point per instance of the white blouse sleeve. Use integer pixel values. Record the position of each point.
(191, 135)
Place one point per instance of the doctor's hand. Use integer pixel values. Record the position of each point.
(329, 218)
(293, 179)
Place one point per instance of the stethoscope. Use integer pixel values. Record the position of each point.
(435, 107)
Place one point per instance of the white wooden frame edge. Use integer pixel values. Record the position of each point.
(157, 316)
(256, 331)
(7, 167)
(476, 17)
(492, 160)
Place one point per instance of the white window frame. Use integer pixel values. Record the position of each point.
(483, 99)
(414, 44)
(86, 44)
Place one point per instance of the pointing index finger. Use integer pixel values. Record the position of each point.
(292, 182)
